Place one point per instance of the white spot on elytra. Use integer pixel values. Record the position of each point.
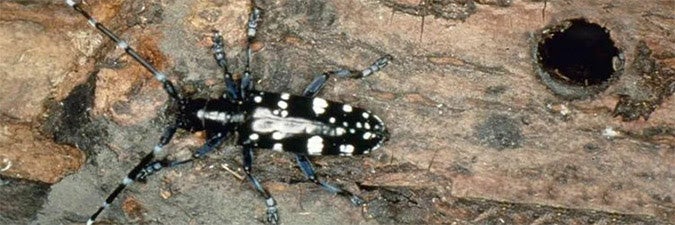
(347, 108)
(315, 145)
(331, 119)
(367, 135)
(257, 99)
(367, 126)
(365, 115)
(340, 131)
(285, 96)
(278, 135)
(347, 149)
(350, 148)
(284, 113)
(253, 136)
(278, 147)
(358, 125)
(282, 104)
(345, 124)
(352, 130)
(319, 105)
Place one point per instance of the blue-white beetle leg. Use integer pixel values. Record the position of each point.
(320, 80)
(218, 50)
(252, 28)
(272, 211)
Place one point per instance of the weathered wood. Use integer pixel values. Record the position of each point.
(476, 137)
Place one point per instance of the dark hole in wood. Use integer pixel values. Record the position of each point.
(580, 54)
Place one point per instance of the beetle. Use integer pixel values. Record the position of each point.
(304, 125)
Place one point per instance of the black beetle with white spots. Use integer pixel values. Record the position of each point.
(301, 124)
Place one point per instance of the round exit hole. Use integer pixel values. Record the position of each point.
(576, 59)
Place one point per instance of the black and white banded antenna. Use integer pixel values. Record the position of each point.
(168, 86)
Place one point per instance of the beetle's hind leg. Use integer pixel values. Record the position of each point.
(272, 211)
(307, 168)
